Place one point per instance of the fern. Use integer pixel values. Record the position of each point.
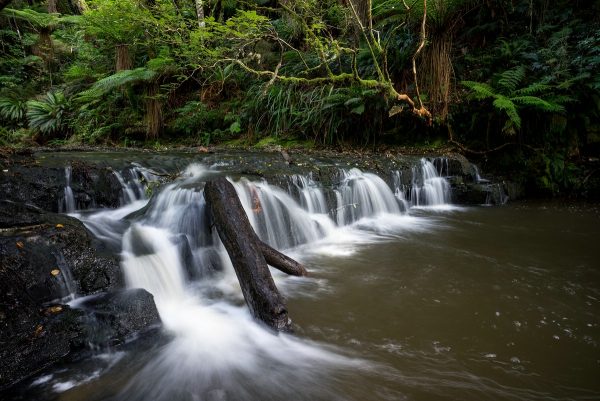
(38, 20)
(538, 103)
(535, 88)
(119, 79)
(480, 90)
(510, 79)
(509, 107)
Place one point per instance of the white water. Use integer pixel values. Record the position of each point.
(67, 205)
(215, 342)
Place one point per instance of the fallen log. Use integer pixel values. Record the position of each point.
(244, 249)
(280, 261)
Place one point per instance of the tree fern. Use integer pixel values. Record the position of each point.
(508, 98)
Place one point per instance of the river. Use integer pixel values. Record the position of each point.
(409, 298)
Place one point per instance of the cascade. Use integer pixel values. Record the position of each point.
(67, 203)
(134, 187)
(428, 188)
(169, 248)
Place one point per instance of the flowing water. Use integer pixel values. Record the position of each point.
(408, 298)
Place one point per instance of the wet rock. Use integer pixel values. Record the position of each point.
(115, 317)
(44, 257)
(32, 339)
(26, 181)
(52, 254)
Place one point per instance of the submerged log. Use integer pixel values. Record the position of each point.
(244, 249)
(280, 261)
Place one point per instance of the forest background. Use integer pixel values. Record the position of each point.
(514, 83)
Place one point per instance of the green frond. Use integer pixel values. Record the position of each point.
(48, 114)
(38, 20)
(533, 89)
(480, 90)
(12, 109)
(538, 103)
(505, 104)
(510, 79)
(116, 80)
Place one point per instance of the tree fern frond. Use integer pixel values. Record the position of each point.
(510, 79)
(537, 103)
(480, 90)
(38, 20)
(116, 80)
(505, 104)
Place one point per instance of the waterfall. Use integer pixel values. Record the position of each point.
(134, 187)
(67, 204)
(427, 188)
(363, 195)
(169, 248)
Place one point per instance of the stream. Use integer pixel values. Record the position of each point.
(409, 297)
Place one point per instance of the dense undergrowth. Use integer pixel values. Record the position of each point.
(515, 84)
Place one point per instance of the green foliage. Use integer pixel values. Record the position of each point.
(13, 110)
(508, 99)
(48, 115)
(117, 80)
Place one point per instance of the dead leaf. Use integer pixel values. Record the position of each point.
(55, 272)
(59, 226)
(20, 245)
(38, 330)
(395, 110)
(54, 309)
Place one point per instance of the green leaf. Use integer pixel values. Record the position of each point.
(506, 105)
(360, 109)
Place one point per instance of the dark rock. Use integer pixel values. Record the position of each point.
(114, 317)
(53, 254)
(32, 338)
(43, 258)
(43, 186)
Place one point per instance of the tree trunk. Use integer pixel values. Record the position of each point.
(123, 59)
(261, 295)
(280, 261)
(52, 6)
(79, 5)
(154, 112)
(200, 13)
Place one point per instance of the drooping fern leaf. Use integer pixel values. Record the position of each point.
(114, 81)
(480, 90)
(505, 104)
(38, 20)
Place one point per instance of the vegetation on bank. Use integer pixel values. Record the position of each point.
(513, 82)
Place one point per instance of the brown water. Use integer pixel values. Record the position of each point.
(487, 303)
(478, 303)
